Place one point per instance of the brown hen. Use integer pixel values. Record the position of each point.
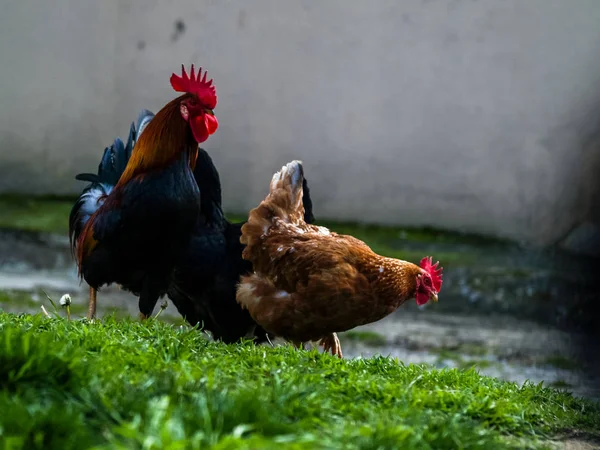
(309, 283)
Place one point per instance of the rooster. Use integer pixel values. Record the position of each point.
(309, 283)
(143, 225)
(110, 169)
(204, 282)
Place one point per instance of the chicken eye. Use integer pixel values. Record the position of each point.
(193, 102)
(428, 281)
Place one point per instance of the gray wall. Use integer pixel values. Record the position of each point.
(476, 115)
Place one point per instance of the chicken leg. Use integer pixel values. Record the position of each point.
(332, 343)
(92, 304)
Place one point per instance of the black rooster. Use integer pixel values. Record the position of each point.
(135, 237)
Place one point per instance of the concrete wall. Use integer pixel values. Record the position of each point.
(467, 114)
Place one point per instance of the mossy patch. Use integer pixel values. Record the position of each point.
(560, 384)
(50, 214)
(460, 348)
(561, 362)
(18, 298)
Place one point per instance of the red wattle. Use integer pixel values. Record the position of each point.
(203, 126)
(199, 129)
(211, 123)
(421, 298)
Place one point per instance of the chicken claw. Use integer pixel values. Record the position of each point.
(332, 343)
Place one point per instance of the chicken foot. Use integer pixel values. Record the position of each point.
(92, 304)
(332, 343)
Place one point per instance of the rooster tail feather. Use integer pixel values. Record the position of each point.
(142, 121)
(135, 131)
(112, 165)
(117, 156)
(130, 143)
(101, 184)
(120, 153)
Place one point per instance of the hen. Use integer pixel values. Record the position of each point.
(309, 283)
(204, 282)
(144, 224)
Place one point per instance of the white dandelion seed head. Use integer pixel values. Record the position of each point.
(65, 300)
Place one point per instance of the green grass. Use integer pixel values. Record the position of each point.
(124, 384)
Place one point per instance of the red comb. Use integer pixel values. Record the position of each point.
(432, 269)
(193, 84)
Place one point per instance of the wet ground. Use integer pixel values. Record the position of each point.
(511, 313)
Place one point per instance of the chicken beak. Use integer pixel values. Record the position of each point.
(434, 297)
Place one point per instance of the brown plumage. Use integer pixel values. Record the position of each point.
(309, 282)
